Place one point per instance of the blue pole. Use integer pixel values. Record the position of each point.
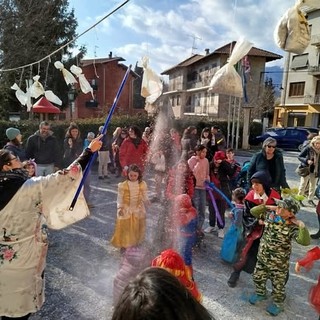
(94, 155)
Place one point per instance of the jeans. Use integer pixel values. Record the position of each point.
(200, 201)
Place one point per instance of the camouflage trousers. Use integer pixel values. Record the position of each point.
(278, 277)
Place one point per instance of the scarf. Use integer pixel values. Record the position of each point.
(10, 183)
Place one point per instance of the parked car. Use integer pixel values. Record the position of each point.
(310, 129)
(287, 138)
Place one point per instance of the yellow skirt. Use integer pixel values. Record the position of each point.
(129, 232)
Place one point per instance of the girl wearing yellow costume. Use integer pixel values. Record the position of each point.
(130, 226)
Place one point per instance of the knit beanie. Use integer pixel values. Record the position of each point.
(219, 155)
(12, 133)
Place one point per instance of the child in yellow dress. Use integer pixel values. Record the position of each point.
(130, 226)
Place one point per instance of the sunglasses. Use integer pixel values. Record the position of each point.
(268, 146)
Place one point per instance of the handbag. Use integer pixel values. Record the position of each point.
(231, 242)
(303, 171)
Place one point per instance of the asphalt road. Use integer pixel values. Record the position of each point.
(81, 264)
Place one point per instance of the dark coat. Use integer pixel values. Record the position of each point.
(259, 162)
(306, 154)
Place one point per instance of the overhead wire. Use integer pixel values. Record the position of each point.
(71, 41)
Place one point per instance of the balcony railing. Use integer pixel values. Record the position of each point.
(312, 99)
(314, 70)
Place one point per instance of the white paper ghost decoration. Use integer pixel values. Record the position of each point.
(21, 96)
(151, 87)
(84, 83)
(68, 76)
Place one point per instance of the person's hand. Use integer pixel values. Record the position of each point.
(299, 223)
(96, 144)
(271, 207)
(297, 267)
(310, 162)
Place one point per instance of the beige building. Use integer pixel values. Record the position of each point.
(300, 97)
(189, 82)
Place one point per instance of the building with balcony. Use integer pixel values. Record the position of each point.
(300, 97)
(189, 82)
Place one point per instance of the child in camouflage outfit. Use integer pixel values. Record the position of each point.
(281, 226)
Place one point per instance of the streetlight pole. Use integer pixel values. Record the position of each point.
(71, 98)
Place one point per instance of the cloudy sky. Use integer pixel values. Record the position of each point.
(169, 31)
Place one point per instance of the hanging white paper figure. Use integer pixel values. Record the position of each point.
(84, 83)
(52, 97)
(28, 93)
(36, 89)
(21, 96)
(68, 76)
(227, 80)
(152, 86)
(292, 32)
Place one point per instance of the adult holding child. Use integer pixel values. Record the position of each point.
(28, 206)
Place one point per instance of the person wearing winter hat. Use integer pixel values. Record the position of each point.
(281, 227)
(261, 193)
(220, 173)
(171, 261)
(269, 159)
(14, 144)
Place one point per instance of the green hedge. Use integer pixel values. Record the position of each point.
(28, 127)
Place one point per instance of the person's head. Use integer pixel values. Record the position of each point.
(44, 128)
(315, 142)
(90, 136)
(287, 208)
(134, 173)
(117, 132)
(261, 182)
(181, 167)
(73, 131)
(124, 133)
(311, 135)
(9, 161)
(230, 154)
(206, 133)
(269, 145)
(14, 135)
(214, 129)
(238, 195)
(134, 132)
(158, 295)
(192, 129)
(31, 167)
(219, 156)
(201, 151)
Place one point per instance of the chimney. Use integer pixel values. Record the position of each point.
(207, 51)
(110, 54)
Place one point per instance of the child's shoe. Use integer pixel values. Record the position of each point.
(255, 298)
(273, 309)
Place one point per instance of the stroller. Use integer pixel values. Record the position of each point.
(242, 178)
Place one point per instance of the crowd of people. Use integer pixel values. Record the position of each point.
(183, 167)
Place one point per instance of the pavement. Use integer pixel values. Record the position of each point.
(81, 263)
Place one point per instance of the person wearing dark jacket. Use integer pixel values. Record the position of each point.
(310, 157)
(43, 147)
(72, 144)
(15, 143)
(269, 159)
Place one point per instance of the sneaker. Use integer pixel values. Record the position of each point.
(221, 233)
(209, 229)
(106, 177)
(255, 298)
(101, 178)
(312, 204)
(234, 277)
(273, 309)
(301, 203)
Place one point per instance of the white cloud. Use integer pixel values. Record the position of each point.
(167, 35)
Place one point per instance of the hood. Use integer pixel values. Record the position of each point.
(263, 177)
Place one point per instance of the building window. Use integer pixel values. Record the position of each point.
(300, 61)
(178, 100)
(296, 89)
(172, 101)
(198, 100)
(192, 76)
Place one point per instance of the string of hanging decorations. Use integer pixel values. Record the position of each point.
(71, 41)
